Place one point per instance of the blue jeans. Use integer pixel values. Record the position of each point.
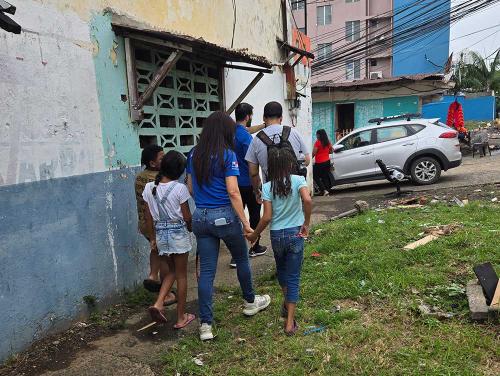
(208, 237)
(288, 248)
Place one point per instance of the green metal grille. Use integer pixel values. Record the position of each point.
(188, 95)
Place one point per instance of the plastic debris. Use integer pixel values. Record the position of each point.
(381, 221)
(315, 329)
(494, 199)
(315, 254)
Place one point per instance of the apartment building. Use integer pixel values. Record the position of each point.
(365, 39)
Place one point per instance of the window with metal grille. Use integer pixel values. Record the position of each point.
(352, 1)
(324, 15)
(174, 115)
(324, 50)
(298, 4)
(352, 31)
(353, 70)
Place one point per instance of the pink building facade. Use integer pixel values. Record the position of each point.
(338, 27)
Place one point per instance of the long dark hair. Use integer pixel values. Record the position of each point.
(172, 166)
(323, 137)
(280, 166)
(216, 137)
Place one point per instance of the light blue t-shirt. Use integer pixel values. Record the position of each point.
(287, 212)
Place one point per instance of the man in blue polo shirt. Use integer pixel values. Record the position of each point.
(242, 140)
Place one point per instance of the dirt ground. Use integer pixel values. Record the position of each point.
(90, 349)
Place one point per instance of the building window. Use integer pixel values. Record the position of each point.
(353, 70)
(174, 115)
(298, 4)
(302, 30)
(324, 50)
(373, 62)
(373, 23)
(352, 31)
(352, 1)
(324, 15)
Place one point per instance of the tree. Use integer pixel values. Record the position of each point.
(474, 74)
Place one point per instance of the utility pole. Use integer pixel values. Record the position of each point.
(305, 17)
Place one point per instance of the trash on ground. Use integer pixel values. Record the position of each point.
(494, 199)
(318, 231)
(315, 254)
(359, 207)
(381, 221)
(458, 201)
(147, 326)
(315, 329)
(434, 232)
(426, 310)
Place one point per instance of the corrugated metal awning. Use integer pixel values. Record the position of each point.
(126, 26)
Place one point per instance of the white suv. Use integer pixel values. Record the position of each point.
(421, 148)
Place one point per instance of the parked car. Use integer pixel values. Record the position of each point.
(421, 148)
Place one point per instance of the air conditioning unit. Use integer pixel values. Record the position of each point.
(375, 75)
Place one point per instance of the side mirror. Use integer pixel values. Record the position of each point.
(338, 148)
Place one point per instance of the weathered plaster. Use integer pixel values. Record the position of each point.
(50, 116)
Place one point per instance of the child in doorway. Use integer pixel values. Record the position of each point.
(168, 217)
(151, 159)
(287, 206)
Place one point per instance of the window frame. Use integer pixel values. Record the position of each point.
(372, 139)
(323, 16)
(409, 132)
(351, 33)
(298, 4)
(355, 69)
(321, 48)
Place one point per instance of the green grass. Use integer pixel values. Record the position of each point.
(378, 286)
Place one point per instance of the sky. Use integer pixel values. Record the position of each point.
(484, 42)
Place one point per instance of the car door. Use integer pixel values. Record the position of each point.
(356, 159)
(394, 145)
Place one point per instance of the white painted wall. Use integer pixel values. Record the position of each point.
(49, 124)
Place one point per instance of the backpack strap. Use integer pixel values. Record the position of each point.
(285, 134)
(265, 138)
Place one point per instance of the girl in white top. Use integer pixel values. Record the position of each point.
(169, 218)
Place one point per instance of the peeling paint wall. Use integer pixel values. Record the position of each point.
(50, 115)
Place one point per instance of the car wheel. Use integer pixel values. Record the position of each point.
(425, 170)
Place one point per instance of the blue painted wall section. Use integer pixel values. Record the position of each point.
(409, 57)
(120, 138)
(401, 105)
(323, 118)
(479, 108)
(60, 240)
(365, 110)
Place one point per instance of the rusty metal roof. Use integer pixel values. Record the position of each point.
(125, 25)
(319, 86)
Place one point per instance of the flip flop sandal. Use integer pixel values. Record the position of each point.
(190, 319)
(170, 302)
(157, 315)
(151, 285)
(294, 329)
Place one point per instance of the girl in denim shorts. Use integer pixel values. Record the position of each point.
(169, 218)
(287, 206)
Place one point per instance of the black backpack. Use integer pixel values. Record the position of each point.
(283, 144)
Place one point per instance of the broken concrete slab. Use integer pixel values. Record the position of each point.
(477, 302)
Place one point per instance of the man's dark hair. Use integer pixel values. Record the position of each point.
(242, 111)
(149, 153)
(273, 110)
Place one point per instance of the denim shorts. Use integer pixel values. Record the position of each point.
(172, 238)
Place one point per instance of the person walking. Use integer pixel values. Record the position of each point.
(212, 180)
(287, 206)
(322, 168)
(273, 133)
(169, 219)
(242, 140)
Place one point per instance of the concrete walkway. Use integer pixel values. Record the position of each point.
(130, 353)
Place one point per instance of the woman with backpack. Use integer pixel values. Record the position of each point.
(212, 180)
(322, 168)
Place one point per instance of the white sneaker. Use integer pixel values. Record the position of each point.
(206, 332)
(260, 302)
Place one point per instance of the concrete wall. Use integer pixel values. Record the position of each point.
(62, 239)
(474, 108)
(409, 57)
(68, 151)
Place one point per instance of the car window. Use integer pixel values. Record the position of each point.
(357, 140)
(391, 133)
(416, 127)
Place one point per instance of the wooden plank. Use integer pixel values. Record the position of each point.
(147, 326)
(251, 69)
(135, 114)
(159, 42)
(158, 78)
(495, 302)
(245, 92)
(420, 242)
